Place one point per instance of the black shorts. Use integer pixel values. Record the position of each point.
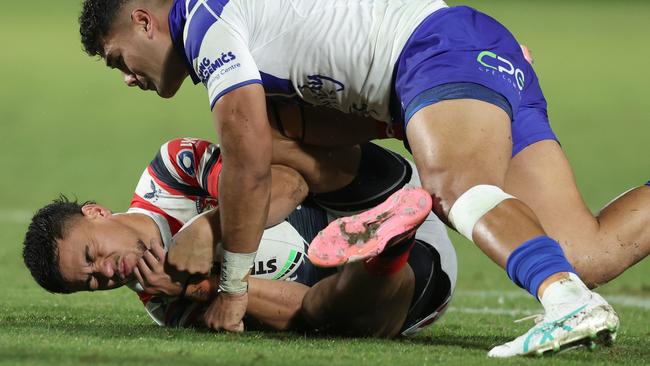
(433, 288)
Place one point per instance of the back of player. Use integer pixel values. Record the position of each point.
(299, 48)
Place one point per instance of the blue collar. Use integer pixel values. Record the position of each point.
(177, 19)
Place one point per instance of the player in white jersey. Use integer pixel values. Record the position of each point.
(457, 83)
(98, 250)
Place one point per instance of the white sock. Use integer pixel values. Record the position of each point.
(564, 291)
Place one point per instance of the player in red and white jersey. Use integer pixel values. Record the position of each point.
(170, 195)
(180, 182)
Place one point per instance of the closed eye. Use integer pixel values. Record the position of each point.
(89, 259)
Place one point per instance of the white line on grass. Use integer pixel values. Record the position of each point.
(623, 300)
(15, 216)
(492, 311)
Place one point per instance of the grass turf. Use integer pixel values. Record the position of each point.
(70, 126)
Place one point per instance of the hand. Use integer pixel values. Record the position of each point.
(192, 250)
(150, 272)
(226, 312)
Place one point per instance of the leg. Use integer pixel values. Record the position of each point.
(357, 302)
(458, 144)
(508, 232)
(324, 169)
(601, 247)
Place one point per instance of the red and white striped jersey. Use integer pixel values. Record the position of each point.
(180, 183)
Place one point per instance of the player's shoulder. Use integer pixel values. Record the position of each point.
(185, 143)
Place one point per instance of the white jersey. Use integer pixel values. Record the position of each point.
(334, 53)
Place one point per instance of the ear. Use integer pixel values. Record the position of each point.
(143, 20)
(93, 210)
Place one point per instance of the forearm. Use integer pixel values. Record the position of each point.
(245, 179)
(244, 204)
(288, 190)
(275, 303)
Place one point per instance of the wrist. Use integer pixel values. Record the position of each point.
(235, 268)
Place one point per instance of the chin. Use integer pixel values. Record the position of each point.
(168, 91)
(165, 93)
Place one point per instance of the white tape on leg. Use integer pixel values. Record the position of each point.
(474, 204)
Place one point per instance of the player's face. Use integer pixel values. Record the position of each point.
(99, 252)
(143, 52)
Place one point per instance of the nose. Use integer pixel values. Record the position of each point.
(130, 79)
(107, 268)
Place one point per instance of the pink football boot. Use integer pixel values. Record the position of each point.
(365, 235)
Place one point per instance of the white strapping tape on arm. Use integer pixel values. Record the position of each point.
(234, 268)
(474, 204)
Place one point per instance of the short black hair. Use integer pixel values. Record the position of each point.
(95, 22)
(40, 248)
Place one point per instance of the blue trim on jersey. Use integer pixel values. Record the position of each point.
(228, 90)
(275, 85)
(162, 173)
(176, 20)
(190, 4)
(202, 20)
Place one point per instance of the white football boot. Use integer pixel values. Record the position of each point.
(589, 322)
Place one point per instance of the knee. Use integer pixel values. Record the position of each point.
(446, 187)
(592, 274)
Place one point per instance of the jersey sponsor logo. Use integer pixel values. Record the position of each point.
(185, 161)
(493, 62)
(208, 67)
(323, 89)
(189, 142)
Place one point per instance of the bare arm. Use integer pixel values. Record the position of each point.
(245, 180)
(275, 304)
(193, 248)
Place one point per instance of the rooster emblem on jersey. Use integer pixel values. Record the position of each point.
(154, 194)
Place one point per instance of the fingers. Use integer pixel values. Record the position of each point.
(237, 328)
(158, 251)
(143, 268)
(138, 276)
(176, 258)
(151, 260)
(226, 313)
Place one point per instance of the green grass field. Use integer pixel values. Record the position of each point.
(69, 125)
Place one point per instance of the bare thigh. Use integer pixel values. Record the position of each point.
(458, 144)
(599, 247)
